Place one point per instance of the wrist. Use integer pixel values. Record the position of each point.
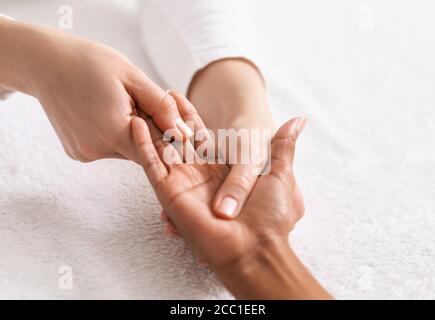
(231, 94)
(245, 277)
(272, 271)
(30, 57)
(15, 71)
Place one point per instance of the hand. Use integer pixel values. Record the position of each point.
(186, 192)
(89, 91)
(231, 94)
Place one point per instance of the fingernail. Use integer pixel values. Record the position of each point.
(228, 207)
(298, 127)
(184, 128)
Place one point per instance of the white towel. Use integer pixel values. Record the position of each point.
(365, 164)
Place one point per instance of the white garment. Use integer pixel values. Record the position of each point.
(5, 16)
(183, 36)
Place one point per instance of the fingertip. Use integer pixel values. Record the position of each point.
(178, 97)
(135, 121)
(292, 129)
(169, 120)
(184, 128)
(300, 126)
(184, 108)
(226, 208)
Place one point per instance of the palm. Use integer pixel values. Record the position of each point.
(272, 208)
(199, 182)
(186, 195)
(187, 191)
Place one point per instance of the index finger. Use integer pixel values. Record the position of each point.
(158, 104)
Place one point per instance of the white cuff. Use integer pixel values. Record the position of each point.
(182, 37)
(5, 16)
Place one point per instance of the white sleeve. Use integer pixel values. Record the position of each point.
(3, 92)
(5, 16)
(183, 36)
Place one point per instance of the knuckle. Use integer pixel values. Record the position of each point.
(241, 183)
(287, 142)
(281, 164)
(159, 144)
(168, 104)
(282, 171)
(152, 163)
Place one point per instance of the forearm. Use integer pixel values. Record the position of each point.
(274, 272)
(231, 94)
(31, 56)
(16, 66)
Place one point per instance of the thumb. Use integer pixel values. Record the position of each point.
(283, 146)
(234, 191)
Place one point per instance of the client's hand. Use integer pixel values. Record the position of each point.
(249, 254)
(186, 192)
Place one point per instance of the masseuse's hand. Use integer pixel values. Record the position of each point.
(186, 192)
(89, 91)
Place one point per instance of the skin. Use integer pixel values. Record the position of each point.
(91, 95)
(228, 94)
(250, 254)
(89, 91)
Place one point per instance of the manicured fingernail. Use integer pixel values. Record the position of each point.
(184, 128)
(298, 127)
(228, 207)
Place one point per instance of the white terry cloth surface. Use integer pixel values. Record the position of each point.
(363, 72)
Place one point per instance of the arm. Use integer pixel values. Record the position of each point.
(4, 92)
(272, 272)
(231, 93)
(207, 49)
(89, 91)
(250, 254)
(15, 67)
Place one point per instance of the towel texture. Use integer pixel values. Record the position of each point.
(363, 74)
